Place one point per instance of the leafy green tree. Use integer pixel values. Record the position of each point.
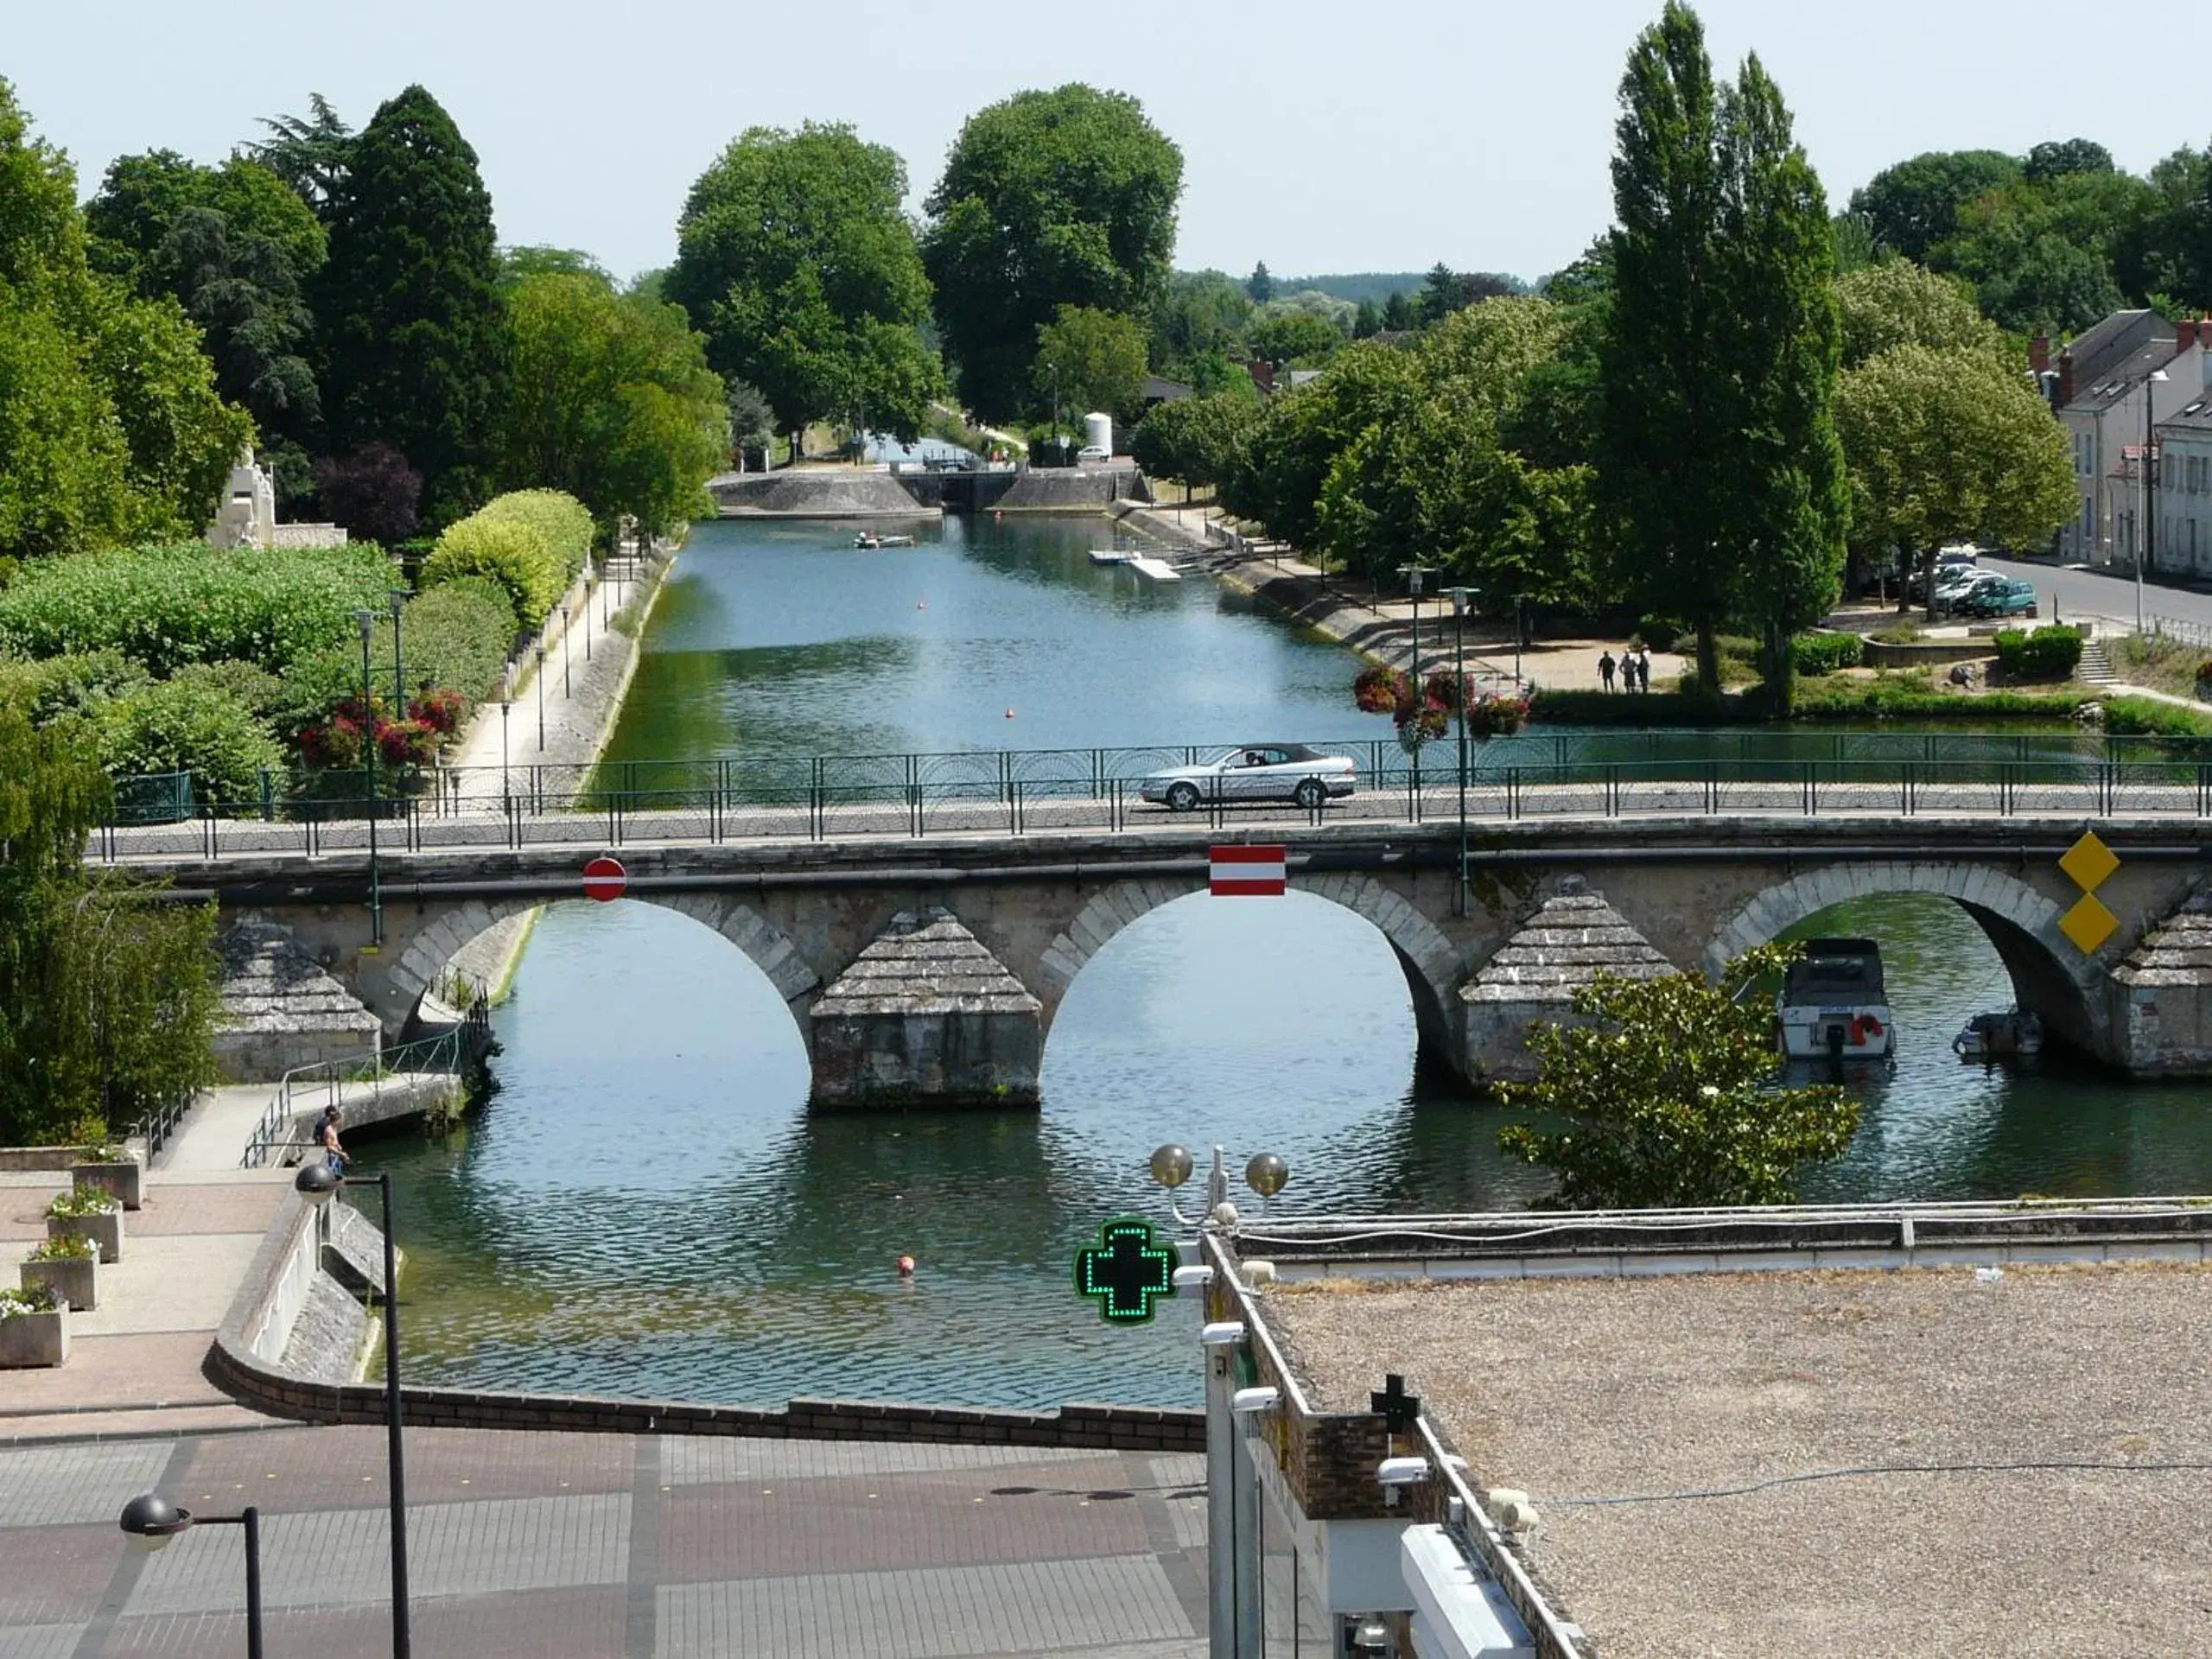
(1915, 205)
(1948, 444)
(1096, 360)
(2061, 157)
(1896, 302)
(310, 153)
(1213, 373)
(519, 264)
(63, 488)
(1049, 199)
(107, 1002)
(1259, 287)
(795, 261)
(752, 420)
(2168, 253)
(1299, 337)
(1196, 440)
(1277, 477)
(612, 402)
(1203, 311)
(2042, 256)
(1368, 321)
(1665, 1088)
(1398, 313)
(1439, 295)
(1718, 457)
(413, 328)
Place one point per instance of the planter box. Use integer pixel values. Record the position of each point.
(127, 1179)
(105, 1230)
(75, 1281)
(34, 1339)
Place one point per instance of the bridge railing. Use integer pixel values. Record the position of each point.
(325, 1082)
(1015, 791)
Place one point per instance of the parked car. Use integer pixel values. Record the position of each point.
(1282, 772)
(1091, 453)
(2001, 598)
(1951, 564)
(1955, 590)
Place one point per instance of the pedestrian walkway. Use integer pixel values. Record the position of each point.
(600, 1547)
(134, 1362)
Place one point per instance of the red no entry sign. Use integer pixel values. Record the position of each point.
(605, 879)
(1249, 871)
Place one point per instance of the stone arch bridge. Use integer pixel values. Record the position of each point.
(930, 972)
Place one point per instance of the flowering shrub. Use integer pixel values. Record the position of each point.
(441, 710)
(407, 743)
(1421, 719)
(340, 743)
(1378, 690)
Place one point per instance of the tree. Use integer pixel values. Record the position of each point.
(1667, 1089)
(1099, 358)
(1049, 199)
(1398, 313)
(1718, 463)
(310, 153)
(1299, 337)
(1915, 205)
(1368, 322)
(107, 1002)
(518, 265)
(1948, 444)
(1259, 287)
(1278, 475)
(2060, 158)
(373, 493)
(1203, 311)
(1196, 440)
(414, 330)
(2042, 256)
(612, 402)
(795, 261)
(751, 420)
(1440, 293)
(1896, 302)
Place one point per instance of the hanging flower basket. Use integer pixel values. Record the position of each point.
(1424, 714)
(1380, 691)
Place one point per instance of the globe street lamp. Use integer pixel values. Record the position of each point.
(541, 697)
(1461, 598)
(154, 1520)
(1413, 573)
(398, 597)
(366, 621)
(318, 1184)
(564, 648)
(1265, 1174)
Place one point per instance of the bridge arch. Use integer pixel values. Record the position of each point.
(431, 951)
(1428, 958)
(2048, 975)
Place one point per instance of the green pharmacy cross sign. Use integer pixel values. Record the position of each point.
(1127, 1267)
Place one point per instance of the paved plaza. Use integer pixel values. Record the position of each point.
(581, 1547)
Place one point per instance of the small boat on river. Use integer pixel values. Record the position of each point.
(1988, 1038)
(1112, 556)
(1833, 1006)
(869, 538)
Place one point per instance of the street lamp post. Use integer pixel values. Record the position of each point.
(1461, 598)
(564, 648)
(2148, 541)
(506, 707)
(1413, 573)
(318, 1183)
(154, 1520)
(541, 697)
(367, 622)
(398, 597)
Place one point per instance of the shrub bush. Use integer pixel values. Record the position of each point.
(1823, 653)
(2145, 717)
(507, 551)
(73, 684)
(188, 726)
(2051, 652)
(563, 522)
(165, 607)
(255, 690)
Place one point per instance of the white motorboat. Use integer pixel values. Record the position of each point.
(1832, 1004)
(869, 538)
(1989, 1037)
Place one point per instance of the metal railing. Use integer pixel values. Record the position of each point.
(325, 1082)
(157, 1125)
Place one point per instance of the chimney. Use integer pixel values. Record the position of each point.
(2186, 335)
(2039, 353)
(2065, 379)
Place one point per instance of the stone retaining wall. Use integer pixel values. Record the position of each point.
(268, 1306)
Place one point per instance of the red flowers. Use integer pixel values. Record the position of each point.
(1380, 691)
(341, 744)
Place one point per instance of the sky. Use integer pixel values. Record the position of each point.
(1318, 138)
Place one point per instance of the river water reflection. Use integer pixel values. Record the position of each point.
(646, 1207)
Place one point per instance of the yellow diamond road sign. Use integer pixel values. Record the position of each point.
(2088, 924)
(2089, 862)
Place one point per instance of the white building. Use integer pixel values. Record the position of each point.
(2184, 490)
(2103, 378)
(246, 516)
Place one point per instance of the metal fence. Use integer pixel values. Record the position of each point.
(326, 1082)
(1014, 793)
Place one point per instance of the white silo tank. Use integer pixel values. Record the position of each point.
(1099, 432)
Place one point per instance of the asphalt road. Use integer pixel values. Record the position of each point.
(2081, 593)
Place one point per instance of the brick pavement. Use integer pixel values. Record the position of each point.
(612, 1547)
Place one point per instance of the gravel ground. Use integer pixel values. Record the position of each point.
(1606, 1387)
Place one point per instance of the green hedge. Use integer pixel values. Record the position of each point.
(192, 726)
(165, 607)
(2147, 717)
(456, 636)
(532, 543)
(72, 684)
(1816, 654)
(563, 522)
(2051, 652)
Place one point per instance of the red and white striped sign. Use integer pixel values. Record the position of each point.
(605, 879)
(1253, 872)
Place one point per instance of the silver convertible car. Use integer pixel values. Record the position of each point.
(1265, 771)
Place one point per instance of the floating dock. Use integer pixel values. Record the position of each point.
(1157, 569)
(1111, 556)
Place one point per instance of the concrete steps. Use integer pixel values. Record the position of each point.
(2095, 667)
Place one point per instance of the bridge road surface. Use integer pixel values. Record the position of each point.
(610, 1546)
(2153, 789)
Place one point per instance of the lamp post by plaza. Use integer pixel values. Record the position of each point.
(564, 648)
(1461, 598)
(318, 1183)
(154, 1520)
(541, 697)
(1413, 573)
(367, 622)
(2148, 541)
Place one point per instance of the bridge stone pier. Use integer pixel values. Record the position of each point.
(929, 973)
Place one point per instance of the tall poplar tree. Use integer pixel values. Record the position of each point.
(414, 328)
(1718, 454)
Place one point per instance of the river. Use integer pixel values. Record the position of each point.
(645, 1208)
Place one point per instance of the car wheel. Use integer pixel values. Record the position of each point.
(1182, 798)
(1310, 794)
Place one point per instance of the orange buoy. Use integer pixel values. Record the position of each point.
(905, 1267)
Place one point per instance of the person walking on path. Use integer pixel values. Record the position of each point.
(1605, 670)
(1644, 666)
(333, 1153)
